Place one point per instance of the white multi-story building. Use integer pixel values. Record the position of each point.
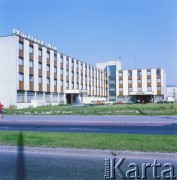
(172, 91)
(33, 71)
(141, 85)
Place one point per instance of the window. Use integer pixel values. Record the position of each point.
(149, 88)
(112, 81)
(72, 85)
(48, 68)
(148, 73)
(139, 81)
(61, 59)
(139, 73)
(158, 80)
(120, 74)
(61, 71)
(31, 49)
(67, 73)
(40, 52)
(48, 81)
(48, 55)
(72, 74)
(77, 65)
(20, 96)
(61, 83)
(21, 77)
(39, 66)
(55, 82)
(121, 82)
(55, 69)
(20, 61)
(130, 81)
(129, 73)
(158, 71)
(31, 63)
(67, 85)
(149, 80)
(67, 62)
(55, 57)
(72, 64)
(40, 79)
(158, 88)
(120, 89)
(31, 79)
(139, 89)
(81, 66)
(130, 89)
(77, 85)
(20, 45)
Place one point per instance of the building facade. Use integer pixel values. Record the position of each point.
(172, 91)
(35, 73)
(141, 85)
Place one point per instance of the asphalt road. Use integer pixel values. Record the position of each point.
(48, 166)
(92, 124)
(121, 128)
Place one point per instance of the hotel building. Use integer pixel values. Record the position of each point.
(35, 73)
(141, 85)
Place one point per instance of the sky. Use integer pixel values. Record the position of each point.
(142, 32)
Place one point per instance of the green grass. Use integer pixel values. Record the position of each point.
(151, 143)
(124, 109)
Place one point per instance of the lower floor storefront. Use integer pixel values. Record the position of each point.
(35, 99)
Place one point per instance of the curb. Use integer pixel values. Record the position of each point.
(90, 152)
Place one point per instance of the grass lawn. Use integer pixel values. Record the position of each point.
(151, 143)
(124, 109)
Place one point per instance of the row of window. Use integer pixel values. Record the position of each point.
(31, 50)
(31, 65)
(139, 73)
(55, 58)
(158, 80)
(31, 79)
(130, 89)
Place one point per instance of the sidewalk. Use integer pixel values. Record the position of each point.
(91, 152)
(84, 120)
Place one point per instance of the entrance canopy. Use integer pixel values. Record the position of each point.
(75, 91)
(142, 93)
(142, 97)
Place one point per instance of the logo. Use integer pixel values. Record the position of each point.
(117, 168)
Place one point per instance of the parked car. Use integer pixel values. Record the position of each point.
(99, 103)
(162, 101)
(117, 102)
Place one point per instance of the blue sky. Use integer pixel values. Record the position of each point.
(99, 30)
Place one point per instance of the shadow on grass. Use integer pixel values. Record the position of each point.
(21, 172)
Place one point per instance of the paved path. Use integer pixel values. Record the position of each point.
(89, 119)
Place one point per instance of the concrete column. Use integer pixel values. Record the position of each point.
(25, 96)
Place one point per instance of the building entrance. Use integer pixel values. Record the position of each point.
(71, 98)
(142, 98)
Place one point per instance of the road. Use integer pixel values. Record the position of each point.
(121, 128)
(166, 125)
(22, 165)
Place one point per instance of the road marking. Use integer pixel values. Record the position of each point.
(84, 129)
